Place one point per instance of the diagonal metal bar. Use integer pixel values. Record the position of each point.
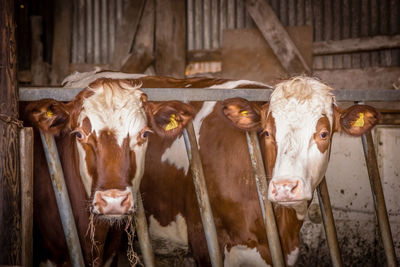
(143, 234)
(329, 223)
(202, 196)
(63, 202)
(379, 200)
(266, 206)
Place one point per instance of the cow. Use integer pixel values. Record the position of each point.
(296, 128)
(102, 136)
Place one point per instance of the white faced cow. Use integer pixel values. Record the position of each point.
(296, 128)
(102, 136)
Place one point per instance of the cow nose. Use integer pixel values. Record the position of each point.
(113, 202)
(286, 190)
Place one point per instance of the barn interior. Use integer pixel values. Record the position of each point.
(348, 44)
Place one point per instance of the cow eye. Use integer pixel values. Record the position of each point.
(78, 134)
(145, 133)
(324, 135)
(265, 133)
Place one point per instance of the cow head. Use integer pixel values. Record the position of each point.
(110, 122)
(296, 129)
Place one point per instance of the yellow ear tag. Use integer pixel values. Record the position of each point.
(172, 124)
(244, 113)
(49, 114)
(360, 121)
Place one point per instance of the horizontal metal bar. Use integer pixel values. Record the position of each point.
(207, 94)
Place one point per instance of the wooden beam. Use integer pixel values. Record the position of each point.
(62, 41)
(143, 49)
(126, 33)
(356, 45)
(10, 194)
(26, 169)
(277, 37)
(170, 38)
(370, 78)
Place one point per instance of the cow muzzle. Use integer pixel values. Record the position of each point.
(288, 191)
(113, 202)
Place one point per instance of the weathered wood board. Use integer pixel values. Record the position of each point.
(246, 54)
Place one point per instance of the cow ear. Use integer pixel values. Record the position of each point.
(357, 119)
(168, 119)
(242, 113)
(48, 115)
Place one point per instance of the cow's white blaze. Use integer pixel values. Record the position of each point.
(118, 111)
(292, 257)
(241, 255)
(297, 106)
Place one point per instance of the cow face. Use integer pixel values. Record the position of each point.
(296, 129)
(109, 123)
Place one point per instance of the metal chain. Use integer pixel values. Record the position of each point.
(9, 119)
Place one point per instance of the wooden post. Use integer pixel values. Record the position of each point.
(127, 31)
(26, 169)
(142, 55)
(10, 197)
(62, 41)
(170, 38)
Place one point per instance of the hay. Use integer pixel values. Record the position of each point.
(130, 232)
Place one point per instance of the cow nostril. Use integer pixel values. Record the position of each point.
(294, 187)
(126, 201)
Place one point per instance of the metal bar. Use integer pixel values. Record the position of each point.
(207, 94)
(202, 195)
(329, 223)
(26, 171)
(266, 206)
(63, 203)
(379, 200)
(143, 234)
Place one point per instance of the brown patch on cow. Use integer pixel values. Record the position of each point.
(110, 165)
(268, 134)
(322, 135)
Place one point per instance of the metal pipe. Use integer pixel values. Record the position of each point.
(202, 195)
(329, 223)
(206, 94)
(266, 206)
(63, 203)
(379, 200)
(143, 234)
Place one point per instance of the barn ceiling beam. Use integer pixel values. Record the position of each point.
(277, 37)
(356, 45)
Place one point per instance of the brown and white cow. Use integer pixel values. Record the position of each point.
(102, 136)
(296, 128)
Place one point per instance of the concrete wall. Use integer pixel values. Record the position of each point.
(352, 203)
